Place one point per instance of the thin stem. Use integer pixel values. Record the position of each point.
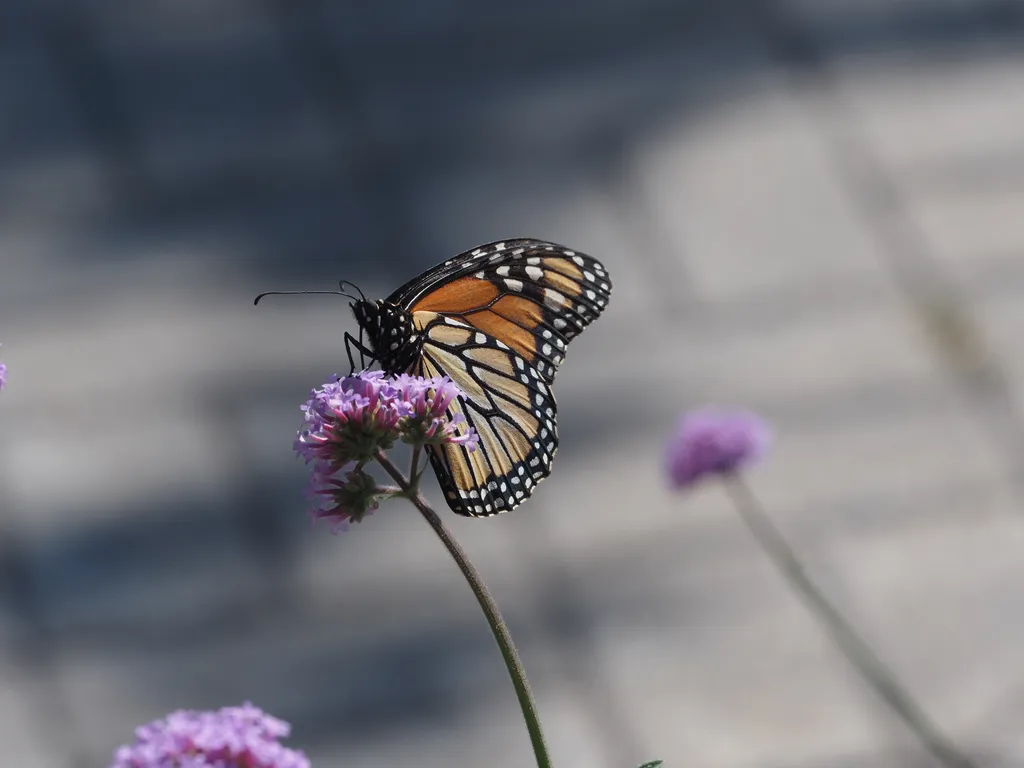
(414, 475)
(499, 629)
(853, 646)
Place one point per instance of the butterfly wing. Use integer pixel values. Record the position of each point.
(532, 295)
(509, 404)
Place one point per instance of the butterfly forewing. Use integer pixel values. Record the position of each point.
(534, 296)
(509, 405)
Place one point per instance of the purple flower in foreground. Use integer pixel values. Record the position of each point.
(348, 420)
(711, 441)
(3, 375)
(232, 737)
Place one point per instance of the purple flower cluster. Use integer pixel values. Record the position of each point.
(3, 375)
(713, 442)
(423, 404)
(350, 419)
(347, 421)
(232, 737)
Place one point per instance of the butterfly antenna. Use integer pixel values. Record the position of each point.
(343, 283)
(294, 293)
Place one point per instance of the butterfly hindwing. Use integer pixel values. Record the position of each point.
(508, 403)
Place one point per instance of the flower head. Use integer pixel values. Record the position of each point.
(711, 441)
(232, 737)
(347, 421)
(343, 497)
(3, 375)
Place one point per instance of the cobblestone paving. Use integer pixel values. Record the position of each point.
(815, 209)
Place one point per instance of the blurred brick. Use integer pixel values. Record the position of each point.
(928, 112)
(1003, 320)
(931, 599)
(727, 666)
(33, 737)
(749, 198)
(965, 232)
(208, 94)
(52, 177)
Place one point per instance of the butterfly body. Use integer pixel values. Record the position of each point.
(396, 345)
(496, 320)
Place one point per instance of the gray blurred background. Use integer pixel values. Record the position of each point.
(813, 208)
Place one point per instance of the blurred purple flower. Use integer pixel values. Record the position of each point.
(3, 375)
(711, 441)
(232, 737)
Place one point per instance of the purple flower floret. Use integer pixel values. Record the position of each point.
(423, 404)
(713, 442)
(232, 737)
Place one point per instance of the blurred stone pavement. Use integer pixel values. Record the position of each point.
(812, 208)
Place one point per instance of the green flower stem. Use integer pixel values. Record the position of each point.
(498, 627)
(414, 463)
(853, 646)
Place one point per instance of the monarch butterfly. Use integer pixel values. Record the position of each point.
(496, 320)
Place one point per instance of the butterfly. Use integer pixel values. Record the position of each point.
(496, 320)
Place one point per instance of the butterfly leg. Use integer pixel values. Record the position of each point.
(349, 341)
(352, 343)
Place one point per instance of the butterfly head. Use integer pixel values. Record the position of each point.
(367, 314)
(391, 334)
